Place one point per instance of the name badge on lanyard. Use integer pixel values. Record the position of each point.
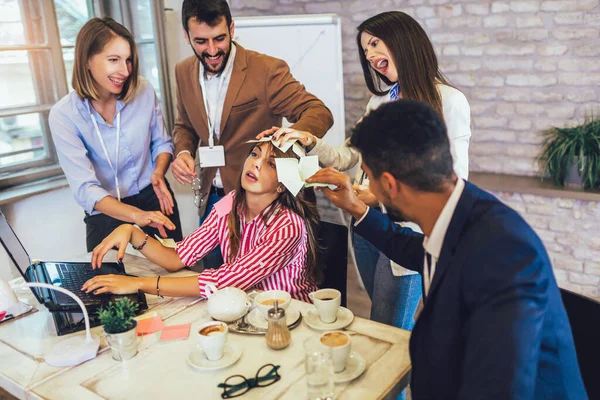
(115, 170)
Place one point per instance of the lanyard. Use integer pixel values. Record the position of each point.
(116, 169)
(225, 76)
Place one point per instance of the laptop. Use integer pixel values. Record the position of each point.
(68, 275)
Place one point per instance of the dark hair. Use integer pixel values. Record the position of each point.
(297, 204)
(408, 139)
(413, 54)
(208, 11)
(91, 39)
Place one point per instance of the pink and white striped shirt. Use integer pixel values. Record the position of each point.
(271, 256)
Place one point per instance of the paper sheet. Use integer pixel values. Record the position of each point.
(149, 325)
(176, 332)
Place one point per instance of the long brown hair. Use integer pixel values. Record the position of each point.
(91, 39)
(413, 54)
(297, 204)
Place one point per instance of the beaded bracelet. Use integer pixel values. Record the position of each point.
(141, 246)
(158, 289)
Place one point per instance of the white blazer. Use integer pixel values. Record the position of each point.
(457, 115)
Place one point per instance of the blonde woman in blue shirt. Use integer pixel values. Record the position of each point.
(111, 140)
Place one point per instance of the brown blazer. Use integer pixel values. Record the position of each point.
(261, 92)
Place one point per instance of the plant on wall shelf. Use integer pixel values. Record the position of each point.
(117, 317)
(567, 148)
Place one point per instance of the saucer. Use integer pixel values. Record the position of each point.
(355, 366)
(255, 318)
(198, 360)
(344, 318)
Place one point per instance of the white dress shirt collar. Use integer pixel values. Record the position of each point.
(433, 243)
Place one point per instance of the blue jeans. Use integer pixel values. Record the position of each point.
(394, 298)
(214, 259)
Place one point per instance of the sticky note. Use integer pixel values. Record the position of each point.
(166, 242)
(149, 325)
(175, 332)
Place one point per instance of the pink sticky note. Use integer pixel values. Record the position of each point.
(175, 332)
(149, 325)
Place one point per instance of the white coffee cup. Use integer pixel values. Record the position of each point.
(327, 302)
(340, 344)
(212, 337)
(7, 297)
(264, 301)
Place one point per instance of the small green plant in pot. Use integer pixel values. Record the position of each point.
(119, 326)
(571, 151)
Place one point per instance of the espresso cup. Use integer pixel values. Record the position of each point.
(340, 344)
(265, 301)
(212, 337)
(327, 302)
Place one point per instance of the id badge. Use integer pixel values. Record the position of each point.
(211, 156)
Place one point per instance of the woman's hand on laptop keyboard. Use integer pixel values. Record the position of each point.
(118, 238)
(117, 284)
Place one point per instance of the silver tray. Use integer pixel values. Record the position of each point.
(244, 327)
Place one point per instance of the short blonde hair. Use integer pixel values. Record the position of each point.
(91, 39)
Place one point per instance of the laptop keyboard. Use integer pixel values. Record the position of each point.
(73, 276)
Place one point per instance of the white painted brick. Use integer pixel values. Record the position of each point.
(524, 150)
(530, 137)
(486, 135)
(569, 239)
(545, 65)
(588, 50)
(533, 208)
(469, 65)
(564, 203)
(477, 9)
(524, 6)
(484, 94)
(447, 37)
(574, 64)
(546, 235)
(557, 248)
(551, 50)
(481, 108)
(495, 21)
(594, 243)
(448, 66)
(505, 50)
(498, 7)
(571, 18)
(435, 2)
(477, 38)
(560, 111)
(575, 33)
(572, 287)
(505, 35)
(583, 279)
(591, 268)
(531, 80)
(434, 23)
(560, 275)
(516, 95)
(505, 109)
(579, 79)
(568, 5)
(413, 2)
(529, 21)
(467, 80)
(451, 50)
(490, 122)
(472, 50)
(529, 35)
(533, 199)
(503, 64)
(567, 263)
(493, 81)
(529, 109)
(519, 124)
(582, 96)
(591, 291)
(547, 97)
(319, 8)
(485, 149)
(592, 19)
(453, 10)
(462, 21)
(422, 12)
(537, 221)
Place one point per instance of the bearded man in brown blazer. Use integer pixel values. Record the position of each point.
(234, 92)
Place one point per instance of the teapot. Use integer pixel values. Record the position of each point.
(227, 304)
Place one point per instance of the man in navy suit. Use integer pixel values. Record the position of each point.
(493, 325)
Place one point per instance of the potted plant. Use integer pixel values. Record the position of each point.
(571, 156)
(119, 327)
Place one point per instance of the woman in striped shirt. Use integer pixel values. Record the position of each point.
(267, 237)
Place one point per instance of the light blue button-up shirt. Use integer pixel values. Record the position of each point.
(143, 138)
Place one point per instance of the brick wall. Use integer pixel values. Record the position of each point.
(524, 66)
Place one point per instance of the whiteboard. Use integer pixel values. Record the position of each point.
(310, 44)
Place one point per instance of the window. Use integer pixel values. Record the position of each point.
(36, 65)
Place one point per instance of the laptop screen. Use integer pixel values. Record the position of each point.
(15, 249)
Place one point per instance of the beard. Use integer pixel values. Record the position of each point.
(393, 213)
(207, 67)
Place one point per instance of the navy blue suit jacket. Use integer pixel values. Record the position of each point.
(493, 325)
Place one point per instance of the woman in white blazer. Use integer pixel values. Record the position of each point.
(398, 61)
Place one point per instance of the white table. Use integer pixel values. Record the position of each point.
(160, 369)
